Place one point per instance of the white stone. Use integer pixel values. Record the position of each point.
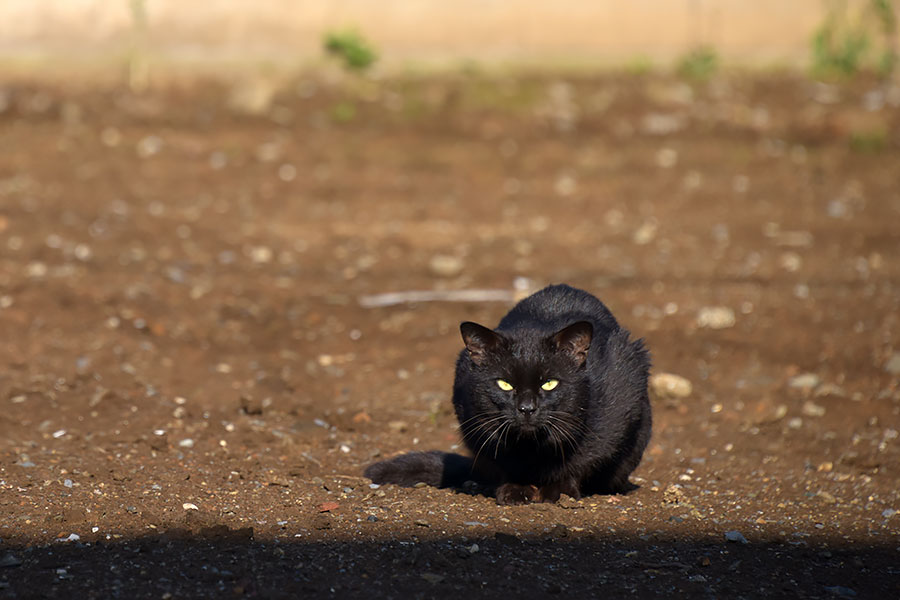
(715, 317)
(669, 385)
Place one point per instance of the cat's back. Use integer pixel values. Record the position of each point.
(555, 307)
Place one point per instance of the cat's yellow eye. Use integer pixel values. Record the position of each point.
(504, 385)
(549, 384)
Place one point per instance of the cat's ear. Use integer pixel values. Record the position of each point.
(575, 340)
(479, 340)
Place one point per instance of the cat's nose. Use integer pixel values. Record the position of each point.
(527, 408)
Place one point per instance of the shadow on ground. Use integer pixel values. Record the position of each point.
(229, 563)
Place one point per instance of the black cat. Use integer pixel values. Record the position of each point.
(553, 401)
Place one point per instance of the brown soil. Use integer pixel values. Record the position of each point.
(180, 325)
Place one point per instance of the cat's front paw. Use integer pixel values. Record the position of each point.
(552, 492)
(514, 493)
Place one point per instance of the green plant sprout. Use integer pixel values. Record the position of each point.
(843, 45)
(356, 53)
(700, 63)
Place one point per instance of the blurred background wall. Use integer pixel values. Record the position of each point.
(49, 34)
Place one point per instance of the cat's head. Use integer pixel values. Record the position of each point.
(527, 380)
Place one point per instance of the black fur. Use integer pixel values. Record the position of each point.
(583, 437)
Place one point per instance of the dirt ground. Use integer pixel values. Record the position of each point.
(191, 387)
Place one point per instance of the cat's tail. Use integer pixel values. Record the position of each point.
(435, 468)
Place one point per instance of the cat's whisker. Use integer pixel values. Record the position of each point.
(572, 425)
(500, 438)
(552, 435)
(563, 426)
(482, 427)
(557, 442)
(566, 436)
(508, 429)
(472, 418)
(476, 417)
(567, 428)
(486, 421)
(573, 449)
(487, 439)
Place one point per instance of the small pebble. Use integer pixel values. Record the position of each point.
(669, 385)
(565, 185)
(10, 560)
(445, 265)
(645, 234)
(667, 158)
(111, 137)
(790, 261)
(806, 381)
(893, 364)
(826, 497)
(287, 172)
(780, 412)
(189, 506)
(830, 389)
(736, 536)
(715, 317)
(811, 409)
(261, 254)
(149, 146)
(36, 270)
